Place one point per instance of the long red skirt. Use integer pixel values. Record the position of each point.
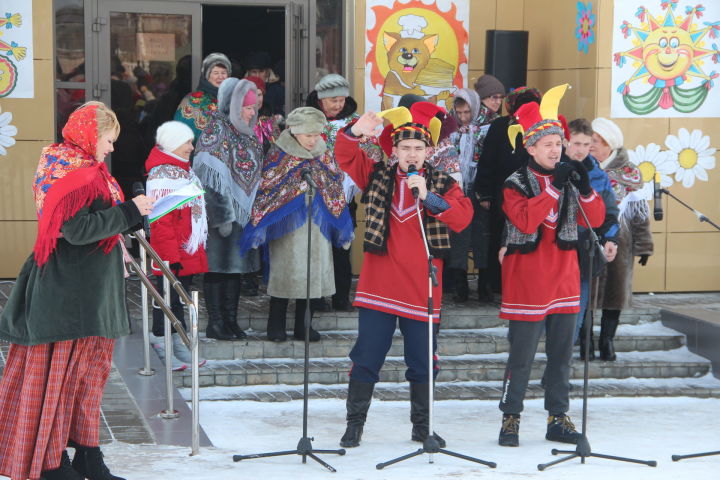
(48, 394)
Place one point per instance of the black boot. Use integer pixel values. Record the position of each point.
(358, 403)
(229, 306)
(591, 355)
(64, 472)
(299, 331)
(213, 289)
(485, 293)
(608, 327)
(561, 429)
(461, 285)
(510, 430)
(276, 319)
(420, 413)
(88, 462)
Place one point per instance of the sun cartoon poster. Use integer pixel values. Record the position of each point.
(415, 47)
(16, 57)
(666, 58)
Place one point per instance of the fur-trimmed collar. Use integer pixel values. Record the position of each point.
(289, 144)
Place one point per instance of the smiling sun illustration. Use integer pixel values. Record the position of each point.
(667, 53)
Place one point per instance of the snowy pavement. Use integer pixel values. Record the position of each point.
(644, 428)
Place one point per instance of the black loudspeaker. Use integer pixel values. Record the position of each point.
(506, 56)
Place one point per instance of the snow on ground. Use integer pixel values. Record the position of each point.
(644, 428)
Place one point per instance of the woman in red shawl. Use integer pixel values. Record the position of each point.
(67, 307)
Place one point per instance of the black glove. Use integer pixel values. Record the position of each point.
(643, 260)
(582, 183)
(175, 268)
(561, 174)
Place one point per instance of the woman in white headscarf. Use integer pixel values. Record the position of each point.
(634, 237)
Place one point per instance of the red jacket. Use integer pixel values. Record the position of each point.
(169, 233)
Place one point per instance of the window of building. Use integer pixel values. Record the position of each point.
(329, 41)
(70, 59)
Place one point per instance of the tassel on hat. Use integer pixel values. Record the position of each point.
(170, 135)
(419, 122)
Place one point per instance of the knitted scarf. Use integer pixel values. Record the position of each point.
(626, 180)
(69, 178)
(168, 173)
(525, 182)
(280, 205)
(378, 198)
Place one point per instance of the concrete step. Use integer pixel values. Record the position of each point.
(490, 367)
(703, 387)
(450, 342)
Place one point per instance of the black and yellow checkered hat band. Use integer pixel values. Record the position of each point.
(411, 131)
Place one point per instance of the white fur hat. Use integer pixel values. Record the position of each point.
(170, 135)
(609, 131)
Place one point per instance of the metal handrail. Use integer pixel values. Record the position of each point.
(190, 341)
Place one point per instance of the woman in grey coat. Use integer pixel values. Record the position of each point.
(633, 238)
(227, 161)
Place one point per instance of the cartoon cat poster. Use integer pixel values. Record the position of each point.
(415, 47)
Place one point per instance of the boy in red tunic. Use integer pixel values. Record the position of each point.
(393, 285)
(540, 274)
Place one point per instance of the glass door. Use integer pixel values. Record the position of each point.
(148, 57)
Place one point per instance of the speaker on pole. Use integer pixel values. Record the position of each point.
(506, 55)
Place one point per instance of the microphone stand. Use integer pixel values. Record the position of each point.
(582, 448)
(304, 447)
(430, 445)
(701, 218)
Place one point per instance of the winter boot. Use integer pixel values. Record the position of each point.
(561, 429)
(320, 305)
(229, 306)
(182, 353)
(591, 355)
(213, 288)
(88, 462)
(420, 413)
(608, 327)
(510, 430)
(276, 319)
(461, 285)
(358, 403)
(299, 331)
(64, 472)
(485, 293)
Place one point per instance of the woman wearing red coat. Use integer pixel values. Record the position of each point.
(178, 237)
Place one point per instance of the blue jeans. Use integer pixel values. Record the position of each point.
(584, 300)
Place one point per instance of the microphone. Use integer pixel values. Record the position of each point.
(412, 170)
(307, 176)
(657, 198)
(137, 190)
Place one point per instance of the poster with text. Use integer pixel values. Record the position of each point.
(665, 59)
(415, 47)
(16, 55)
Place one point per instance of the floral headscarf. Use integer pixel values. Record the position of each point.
(68, 178)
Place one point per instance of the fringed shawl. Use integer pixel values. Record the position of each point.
(168, 173)
(281, 206)
(69, 178)
(626, 180)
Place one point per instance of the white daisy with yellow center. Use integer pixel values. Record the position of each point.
(693, 154)
(7, 132)
(649, 159)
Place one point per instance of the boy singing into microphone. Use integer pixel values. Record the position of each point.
(540, 275)
(393, 285)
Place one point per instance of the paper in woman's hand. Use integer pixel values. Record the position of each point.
(176, 199)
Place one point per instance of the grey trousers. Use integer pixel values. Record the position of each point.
(523, 338)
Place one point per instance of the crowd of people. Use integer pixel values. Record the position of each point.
(512, 196)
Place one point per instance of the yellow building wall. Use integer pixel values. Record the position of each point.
(34, 119)
(686, 257)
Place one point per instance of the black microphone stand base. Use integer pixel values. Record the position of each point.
(431, 446)
(304, 449)
(584, 451)
(675, 458)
